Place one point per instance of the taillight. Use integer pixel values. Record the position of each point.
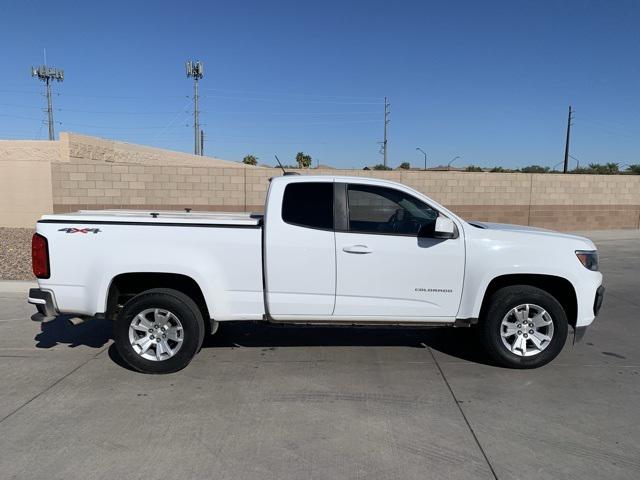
(40, 256)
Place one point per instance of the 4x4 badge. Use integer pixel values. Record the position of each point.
(80, 230)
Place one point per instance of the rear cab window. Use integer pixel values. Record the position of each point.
(308, 204)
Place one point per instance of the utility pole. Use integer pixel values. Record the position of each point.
(386, 122)
(196, 70)
(566, 146)
(47, 75)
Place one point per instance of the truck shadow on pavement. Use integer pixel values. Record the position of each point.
(94, 333)
(461, 343)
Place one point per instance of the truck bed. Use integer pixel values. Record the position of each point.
(221, 252)
(157, 217)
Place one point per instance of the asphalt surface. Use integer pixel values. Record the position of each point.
(263, 402)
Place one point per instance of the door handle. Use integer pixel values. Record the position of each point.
(360, 249)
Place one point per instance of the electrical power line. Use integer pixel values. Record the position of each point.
(180, 115)
(168, 131)
(120, 112)
(610, 127)
(82, 95)
(114, 127)
(238, 112)
(18, 116)
(260, 94)
(288, 94)
(124, 97)
(39, 107)
(167, 112)
(280, 100)
(26, 92)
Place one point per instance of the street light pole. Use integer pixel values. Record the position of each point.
(452, 160)
(425, 157)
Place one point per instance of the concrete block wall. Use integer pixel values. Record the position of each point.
(572, 202)
(560, 202)
(100, 174)
(80, 172)
(99, 186)
(588, 201)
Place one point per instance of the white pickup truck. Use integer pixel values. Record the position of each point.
(328, 250)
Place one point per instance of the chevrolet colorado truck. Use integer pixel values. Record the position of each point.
(328, 250)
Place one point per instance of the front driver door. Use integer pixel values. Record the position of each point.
(384, 269)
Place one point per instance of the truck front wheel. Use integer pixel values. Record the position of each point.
(523, 327)
(159, 331)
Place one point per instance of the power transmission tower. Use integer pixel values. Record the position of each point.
(196, 70)
(386, 122)
(47, 75)
(566, 146)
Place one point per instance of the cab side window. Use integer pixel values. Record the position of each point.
(384, 210)
(309, 204)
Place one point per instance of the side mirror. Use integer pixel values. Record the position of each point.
(445, 228)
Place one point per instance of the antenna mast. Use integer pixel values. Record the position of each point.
(284, 172)
(47, 75)
(196, 70)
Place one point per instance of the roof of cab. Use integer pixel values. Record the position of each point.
(332, 178)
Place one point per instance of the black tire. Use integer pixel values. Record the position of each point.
(507, 298)
(180, 305)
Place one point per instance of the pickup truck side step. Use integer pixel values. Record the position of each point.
(351, 323)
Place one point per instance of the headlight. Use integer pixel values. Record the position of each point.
(588, 258)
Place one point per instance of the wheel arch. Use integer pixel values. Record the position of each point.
(125, 286)
(558, 287)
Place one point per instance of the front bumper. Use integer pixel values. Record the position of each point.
(579, 332)
(597, 303)
(44, 302)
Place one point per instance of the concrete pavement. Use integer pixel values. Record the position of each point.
(270, 402)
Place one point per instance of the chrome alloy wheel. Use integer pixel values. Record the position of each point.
(526, 330)
(156, 334)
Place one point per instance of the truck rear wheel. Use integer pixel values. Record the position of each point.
(524, 327)
(159, 331)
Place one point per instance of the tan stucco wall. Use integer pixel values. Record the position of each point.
(80, 172)
(25, 181)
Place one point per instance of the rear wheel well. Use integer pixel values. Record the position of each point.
(560, 288)
(127, 285)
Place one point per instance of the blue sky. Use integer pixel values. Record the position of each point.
(489, 81)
